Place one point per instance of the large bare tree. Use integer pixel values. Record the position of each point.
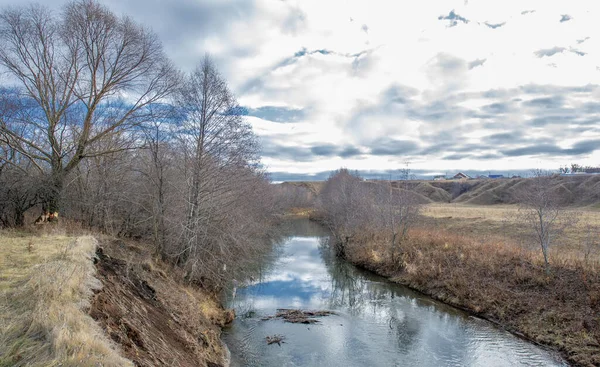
(220, 153)
(85, 74)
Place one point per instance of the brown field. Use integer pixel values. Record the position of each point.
(503, 222)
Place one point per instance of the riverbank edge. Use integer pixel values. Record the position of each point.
(151, 314)
(442, 294)
(437, 297)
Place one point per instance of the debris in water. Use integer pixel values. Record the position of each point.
(275, 339)
(298, 316)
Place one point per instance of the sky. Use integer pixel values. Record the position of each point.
(441, 85)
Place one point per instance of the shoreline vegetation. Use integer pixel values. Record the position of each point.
(488, 267)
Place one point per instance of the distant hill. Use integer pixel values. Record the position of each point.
(581, 191)
(575, 190)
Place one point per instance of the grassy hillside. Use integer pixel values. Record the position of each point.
(575, 190)
(581, 191)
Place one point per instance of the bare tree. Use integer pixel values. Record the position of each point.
(348, 205)
(219, 157)
(542, 209)
(88, 73)
(399, 210)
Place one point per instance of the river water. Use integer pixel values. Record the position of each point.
(377, 322)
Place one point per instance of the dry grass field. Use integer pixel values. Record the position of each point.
(504, 222)
(46, 282)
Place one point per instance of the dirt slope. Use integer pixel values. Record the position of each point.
(155, 319)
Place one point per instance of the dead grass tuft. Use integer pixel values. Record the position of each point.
(46, 281)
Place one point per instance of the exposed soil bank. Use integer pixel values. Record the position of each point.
(156, 319)
(560, 310)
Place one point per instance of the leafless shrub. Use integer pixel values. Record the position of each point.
(290, 195)
(398, 210)
(354, 207)
(348, 206)
(542, 209)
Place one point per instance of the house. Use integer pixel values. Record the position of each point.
(461, 176)
(439, 177)
(482, 177)
(496, 176)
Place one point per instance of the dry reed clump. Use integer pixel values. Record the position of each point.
(45, 286)
(500, 281)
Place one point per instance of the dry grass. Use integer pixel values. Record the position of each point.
(501, 281)
(503, 221)
(45, 284)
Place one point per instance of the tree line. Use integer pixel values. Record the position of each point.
(98, 125)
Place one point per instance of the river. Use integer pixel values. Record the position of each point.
(377, 322)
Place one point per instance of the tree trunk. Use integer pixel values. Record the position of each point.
(546, 263)
(53, 191)
(19, 217)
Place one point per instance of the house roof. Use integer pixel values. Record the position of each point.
(460, 174)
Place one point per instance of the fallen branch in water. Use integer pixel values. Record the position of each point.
(277, 338)
(298, 316)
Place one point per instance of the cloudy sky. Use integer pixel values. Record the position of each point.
(477, 85)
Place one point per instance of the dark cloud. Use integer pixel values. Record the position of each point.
(475, 63)
(565, 18)
(580, 148)
(555, 101)
(273, 147)
(586, 146)
(327, 150)
(539, 149)
(180, 24)
(457, 156)
(505, 138)
(276, 150)
(498, 108)
(542, 121)
(453, 19)
(388, 146)
(349, 152)
(494, 26)
(549, 51)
